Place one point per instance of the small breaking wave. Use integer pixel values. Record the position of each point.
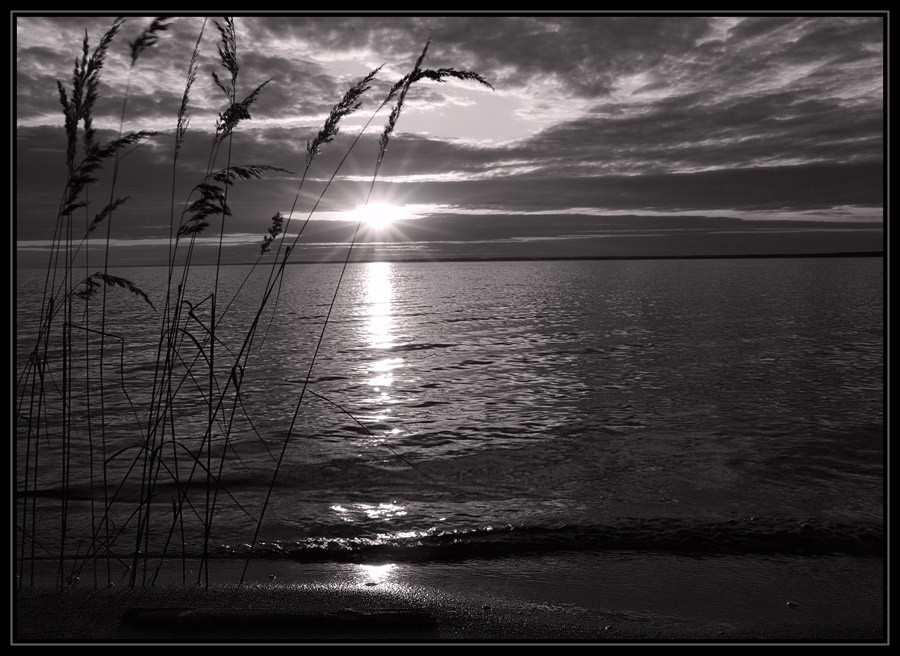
(733, 537)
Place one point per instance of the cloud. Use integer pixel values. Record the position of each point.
(694, 133)
(783, 188)
(639, 113)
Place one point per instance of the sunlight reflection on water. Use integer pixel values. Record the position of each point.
(372, 574)
(358, 511)
(503, 393)
(377, 297)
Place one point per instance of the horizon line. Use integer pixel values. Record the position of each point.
(539, 258)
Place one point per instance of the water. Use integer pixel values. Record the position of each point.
(464, 409)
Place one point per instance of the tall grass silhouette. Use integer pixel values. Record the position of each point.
(162, 490)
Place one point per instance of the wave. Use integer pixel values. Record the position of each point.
(415, 346)
(754, 536)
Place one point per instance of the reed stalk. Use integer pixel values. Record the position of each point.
(193, 362)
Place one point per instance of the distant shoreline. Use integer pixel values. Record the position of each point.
(548, 258)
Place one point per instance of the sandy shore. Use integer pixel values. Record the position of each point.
(570, 598)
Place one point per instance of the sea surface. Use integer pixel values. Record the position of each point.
(453, 410)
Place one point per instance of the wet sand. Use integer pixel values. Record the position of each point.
(559, 598)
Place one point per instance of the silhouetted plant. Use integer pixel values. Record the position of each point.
(193, 363)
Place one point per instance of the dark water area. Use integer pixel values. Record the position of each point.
(467, 409)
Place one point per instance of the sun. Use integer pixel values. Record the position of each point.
(379, 215)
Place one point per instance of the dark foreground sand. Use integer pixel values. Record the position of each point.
(570, 598)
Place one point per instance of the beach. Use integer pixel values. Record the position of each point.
(561, 598)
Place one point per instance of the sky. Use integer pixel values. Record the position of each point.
(600, 134)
